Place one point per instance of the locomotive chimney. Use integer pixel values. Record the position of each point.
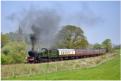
(33, 41)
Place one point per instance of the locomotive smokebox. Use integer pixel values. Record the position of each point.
(33, 41)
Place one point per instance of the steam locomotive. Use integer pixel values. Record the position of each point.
(47, 55)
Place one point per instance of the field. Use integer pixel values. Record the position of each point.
(105, 67)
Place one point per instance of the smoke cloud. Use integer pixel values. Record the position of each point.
(42, 25)
(84, 15)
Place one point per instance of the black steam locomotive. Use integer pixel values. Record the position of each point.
(47, 55)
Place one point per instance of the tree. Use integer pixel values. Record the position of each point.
(71, 37)
(4, 39)
(97, 46)
(81, 43)
(107, 45)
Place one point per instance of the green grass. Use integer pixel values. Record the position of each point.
(109, 70)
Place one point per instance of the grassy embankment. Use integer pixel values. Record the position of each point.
(108, 70)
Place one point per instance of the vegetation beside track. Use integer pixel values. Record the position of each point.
(107, 71)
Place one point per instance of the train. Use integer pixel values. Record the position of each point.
(49, 55)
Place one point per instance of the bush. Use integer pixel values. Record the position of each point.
(6, 59)
(13, 52)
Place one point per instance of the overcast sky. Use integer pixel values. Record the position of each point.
(99, 20)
